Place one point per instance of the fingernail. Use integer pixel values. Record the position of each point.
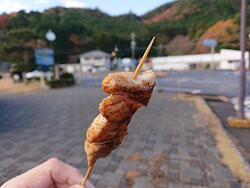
(76, 186)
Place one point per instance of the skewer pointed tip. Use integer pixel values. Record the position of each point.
(143, 59)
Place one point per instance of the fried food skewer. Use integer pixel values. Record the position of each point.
(128, 98)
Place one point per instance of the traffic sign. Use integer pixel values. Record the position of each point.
(210, 42)
(44, 57)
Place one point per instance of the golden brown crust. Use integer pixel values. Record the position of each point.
(117, 108)
(141, 97)
(110, 127)
(96, 150)
(117, 83)
(102, 130)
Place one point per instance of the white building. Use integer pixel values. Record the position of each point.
(95, 60)
(70, 68)
(225, 60)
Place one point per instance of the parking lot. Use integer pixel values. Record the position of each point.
(209, 82)
(168, 144)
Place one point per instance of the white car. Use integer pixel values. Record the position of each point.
(38, 74)
(234, 101)
(33, 74)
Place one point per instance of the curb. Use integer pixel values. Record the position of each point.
(231, 156)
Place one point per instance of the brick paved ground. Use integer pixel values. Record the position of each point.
(168, 144)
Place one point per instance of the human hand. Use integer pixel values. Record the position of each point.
(50, 174)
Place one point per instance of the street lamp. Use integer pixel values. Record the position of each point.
(114, 55)
(51, 36)
(116, 48)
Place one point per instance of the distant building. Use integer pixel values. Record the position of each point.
(127, 64)
(95, 60)
(72, 68)
(225, 60)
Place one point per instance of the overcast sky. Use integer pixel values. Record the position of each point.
(112, 7)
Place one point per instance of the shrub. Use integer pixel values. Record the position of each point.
(67, 76)
(66, 79)
(61, 83)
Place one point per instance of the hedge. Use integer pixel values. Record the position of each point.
(61, 83)
(66, 75)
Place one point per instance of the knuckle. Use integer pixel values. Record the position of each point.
(77, 171)
(54, 161)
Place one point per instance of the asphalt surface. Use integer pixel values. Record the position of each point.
(168, 144)
(225, 83)
(205, 82)
(224, 110)
(208, 82)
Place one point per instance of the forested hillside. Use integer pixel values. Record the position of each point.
(179, 27)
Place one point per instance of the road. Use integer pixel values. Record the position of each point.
(204, 81)
(197, 81)
(168, 144)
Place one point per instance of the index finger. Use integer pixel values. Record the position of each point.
(51, 172)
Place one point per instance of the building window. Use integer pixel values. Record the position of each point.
(232, 61)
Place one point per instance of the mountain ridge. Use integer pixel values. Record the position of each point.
(79, 30)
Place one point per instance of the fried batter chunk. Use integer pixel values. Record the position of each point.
(110, 127)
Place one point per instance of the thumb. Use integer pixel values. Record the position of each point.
(88, 185)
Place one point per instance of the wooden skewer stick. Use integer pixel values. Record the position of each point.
(87, 175)
(143, 59)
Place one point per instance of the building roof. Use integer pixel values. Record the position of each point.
(94, 53)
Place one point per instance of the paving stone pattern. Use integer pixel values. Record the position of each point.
(168, 144)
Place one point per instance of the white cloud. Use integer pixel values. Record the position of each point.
(8, 6)
(74, 4)
(38, 2)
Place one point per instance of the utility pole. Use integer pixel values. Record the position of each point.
(242, 89)
(160, 49)
(212, 51)
(132, 44)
